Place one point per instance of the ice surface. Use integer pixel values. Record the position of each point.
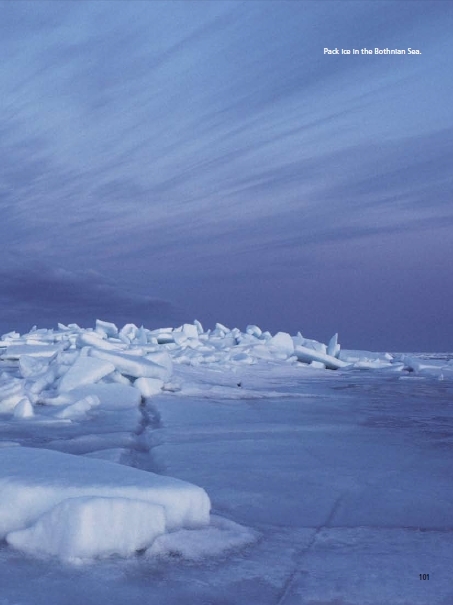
(327, 486)
(222, 535)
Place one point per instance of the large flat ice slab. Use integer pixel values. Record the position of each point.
(35, 481)
(85, 370)
(87, 527)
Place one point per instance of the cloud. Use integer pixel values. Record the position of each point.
(52, 295)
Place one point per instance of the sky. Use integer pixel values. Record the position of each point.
(162, 162)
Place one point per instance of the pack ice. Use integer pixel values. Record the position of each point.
(81, 507)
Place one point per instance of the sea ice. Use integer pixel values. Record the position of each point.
(34, 481)
(86, 370)
(23, 409)
(283, 343)
(308, 355)
(132, 365)
(88, 527)
(221, 535)
(149, 386)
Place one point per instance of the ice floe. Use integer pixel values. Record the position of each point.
(74, 506)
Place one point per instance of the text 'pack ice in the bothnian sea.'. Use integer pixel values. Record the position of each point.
(372, 51)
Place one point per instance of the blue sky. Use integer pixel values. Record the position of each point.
(165, 161)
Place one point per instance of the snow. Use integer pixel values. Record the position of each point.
(222, 535)
(81, 528)
(34, 481)
(317, 461)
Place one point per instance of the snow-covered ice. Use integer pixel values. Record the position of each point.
(33, 481)
(87, 527)
(329, 472)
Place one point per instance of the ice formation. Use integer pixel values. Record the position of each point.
(74, 506)
(82, 506)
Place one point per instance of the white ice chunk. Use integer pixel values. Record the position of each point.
(190, 331)
(221, 329)
(86, 370)
(352, 356)
(11, 392)
(308, 355)
(23, 409)
(308, 343)
(91, 339)
(186, 335)
(34, 481)
(163, 336)
(128, 332)
(333, 348)
(11, 336)
(79, 408)
(435, 368)
(179, 338)
(317, 364)
(108, 328)
(261, 351)
(283, 343)
(133, 365)
(88, 527)
(163, 359)
(254, 331)
(199, 327)
(30, 366)
(15, 351)
(149, 386)
(142, 336)
(112, 396)
(117, 377)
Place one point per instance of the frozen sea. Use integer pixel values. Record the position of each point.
(345, 478)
